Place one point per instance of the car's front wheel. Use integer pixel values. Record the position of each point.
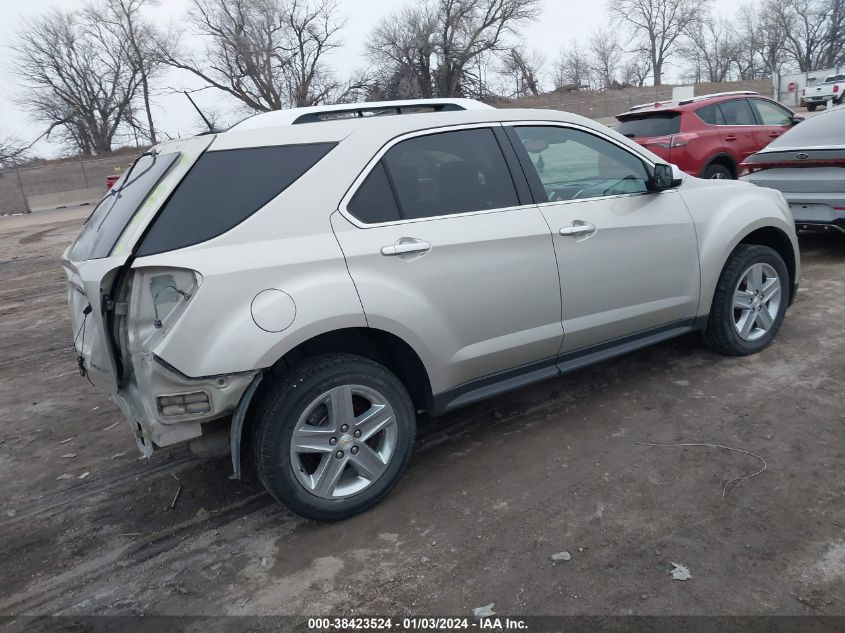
(333, 436)
(750, 301)
(718, 171)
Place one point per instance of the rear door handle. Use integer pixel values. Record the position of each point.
(730, 138)
(582, 228)
(403, 248)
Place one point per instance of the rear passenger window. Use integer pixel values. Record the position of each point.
(450, 172)
(711, 115)
(374, 201)
(223, 189)
(737, 112)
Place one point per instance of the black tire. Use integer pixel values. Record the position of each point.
(720, 334)
(287, 399)
(811, 107)
(718, 170)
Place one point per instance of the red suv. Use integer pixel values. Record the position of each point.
(710, 135)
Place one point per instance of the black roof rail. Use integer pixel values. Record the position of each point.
(374, 110)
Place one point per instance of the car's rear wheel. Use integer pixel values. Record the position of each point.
(750, 301)
(333, 436)
(811, 107)
(718, 171)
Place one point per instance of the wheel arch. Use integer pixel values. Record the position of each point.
(779, 241)
(722, 158)
(377, 345)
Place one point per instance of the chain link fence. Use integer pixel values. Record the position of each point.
(58, 185)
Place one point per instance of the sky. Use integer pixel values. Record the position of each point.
(560, 22)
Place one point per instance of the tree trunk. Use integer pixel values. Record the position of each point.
(145, 86)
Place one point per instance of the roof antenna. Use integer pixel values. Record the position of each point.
(196, 107)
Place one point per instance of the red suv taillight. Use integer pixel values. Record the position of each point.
(675, 140)
(679, 140)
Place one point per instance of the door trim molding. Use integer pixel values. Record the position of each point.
(511, 379)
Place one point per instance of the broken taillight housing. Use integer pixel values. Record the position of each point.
(184, 404)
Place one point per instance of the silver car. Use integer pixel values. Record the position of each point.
(807, 164)
(314, 279)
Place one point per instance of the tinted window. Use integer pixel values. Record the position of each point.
(660, 124)
(826, 129)
(450, 172)
(711, 114)
(572, 164)
(737, 112)
(374, 201)
(834, 79)
(771, 114)
(223, 189)
(103, 228)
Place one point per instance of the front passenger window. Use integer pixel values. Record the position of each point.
(572, 164)
(771, 114)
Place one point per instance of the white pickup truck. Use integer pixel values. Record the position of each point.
(831, 89)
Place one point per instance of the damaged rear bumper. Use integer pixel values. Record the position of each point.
(148, 400)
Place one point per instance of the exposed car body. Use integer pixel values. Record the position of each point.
(830, 91)
(710, 135)
(320, 275)
(807, 165)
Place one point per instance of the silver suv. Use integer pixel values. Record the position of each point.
(314, 279)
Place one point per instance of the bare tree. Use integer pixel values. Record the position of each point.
(606, 53)
(267, 54)
(657, 25)
(834, 50)
(443, 47)
(125, 20)
(760, 40)
(402, 49)
(711, 48)
(521, 69)
(77, 77)
(637, 69)
(12, 150)
(572, 68)
(805, 24)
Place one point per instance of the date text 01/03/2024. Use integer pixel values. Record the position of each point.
(491, 623)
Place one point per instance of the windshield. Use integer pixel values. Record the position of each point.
(651, 124)
(825, 130)
(104, 226)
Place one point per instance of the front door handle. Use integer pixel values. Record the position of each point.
(582, 228)
(403, 248)
(730, 138)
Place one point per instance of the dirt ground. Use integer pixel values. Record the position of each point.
(493, 491)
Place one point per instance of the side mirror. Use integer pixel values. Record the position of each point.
(796, 119)
(662, 178)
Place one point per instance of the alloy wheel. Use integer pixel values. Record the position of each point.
(757, 300)
(343, 441)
